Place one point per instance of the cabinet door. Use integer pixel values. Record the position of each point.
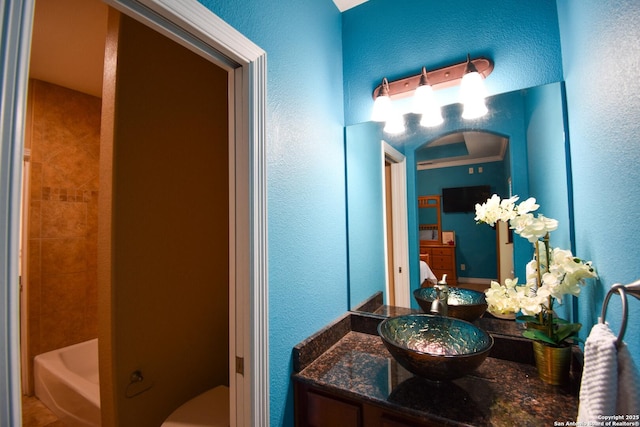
(394, 423)
(388, 420)
(324, 411)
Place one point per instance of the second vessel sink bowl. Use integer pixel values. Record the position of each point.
(465, 304)
(435, 347)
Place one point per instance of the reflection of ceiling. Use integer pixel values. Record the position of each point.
(347, 4)
(67, 47)
(462, 148)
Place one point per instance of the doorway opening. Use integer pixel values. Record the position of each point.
(395, 223)
(59, 216)
(246, 85)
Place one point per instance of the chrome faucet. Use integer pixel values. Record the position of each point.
(439, 304)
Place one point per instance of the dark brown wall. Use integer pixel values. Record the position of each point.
(169, 225)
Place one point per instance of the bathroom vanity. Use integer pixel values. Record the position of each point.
(344, 376)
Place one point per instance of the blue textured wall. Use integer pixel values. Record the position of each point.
(307, 257)
(547, 158)
(365, 211)
(548, 169)
(305, 43)
(604, 108)
(397, 38)
(306, 188)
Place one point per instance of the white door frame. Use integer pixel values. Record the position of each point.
(16, 18)
(198, 29)
(24, 271)
(399, 224)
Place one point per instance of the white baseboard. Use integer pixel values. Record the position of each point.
(475, 280)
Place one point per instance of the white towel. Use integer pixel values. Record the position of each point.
(609, 379)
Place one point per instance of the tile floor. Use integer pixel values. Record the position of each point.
(35, 414)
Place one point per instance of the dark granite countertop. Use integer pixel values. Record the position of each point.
(349, 359)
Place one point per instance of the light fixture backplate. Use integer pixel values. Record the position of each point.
(440, 78)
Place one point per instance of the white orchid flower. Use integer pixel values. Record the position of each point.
(561, 274)
(527, 206)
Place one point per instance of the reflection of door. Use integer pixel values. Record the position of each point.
(505, 251)
(397, 241)
(195, 26)
(389, 218)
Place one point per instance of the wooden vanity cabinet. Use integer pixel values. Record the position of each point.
(319, 408)
(442, 260)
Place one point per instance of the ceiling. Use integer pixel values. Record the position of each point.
(67, 46)
(68, 50)
(348, 4)
(462, 148)
(68, 41)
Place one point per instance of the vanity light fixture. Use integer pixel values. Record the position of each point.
(472, 92)
(449, 76)
(382, 107)
(425, 103)
(395, 123)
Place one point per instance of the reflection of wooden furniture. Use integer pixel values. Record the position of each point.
(442, 260)
(429, 222)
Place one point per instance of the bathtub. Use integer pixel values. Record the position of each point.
(66, 381)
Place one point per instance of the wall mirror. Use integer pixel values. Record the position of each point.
(531, 121)
(429, 220)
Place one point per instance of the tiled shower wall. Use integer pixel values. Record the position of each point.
(63, 134)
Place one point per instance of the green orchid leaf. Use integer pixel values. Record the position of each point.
(567, 330)
(538, 335)
(530, 319)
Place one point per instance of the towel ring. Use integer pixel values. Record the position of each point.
(634, 290)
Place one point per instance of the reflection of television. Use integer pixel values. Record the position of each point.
(464, 199)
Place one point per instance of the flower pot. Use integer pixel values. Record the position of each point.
(553, 363)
